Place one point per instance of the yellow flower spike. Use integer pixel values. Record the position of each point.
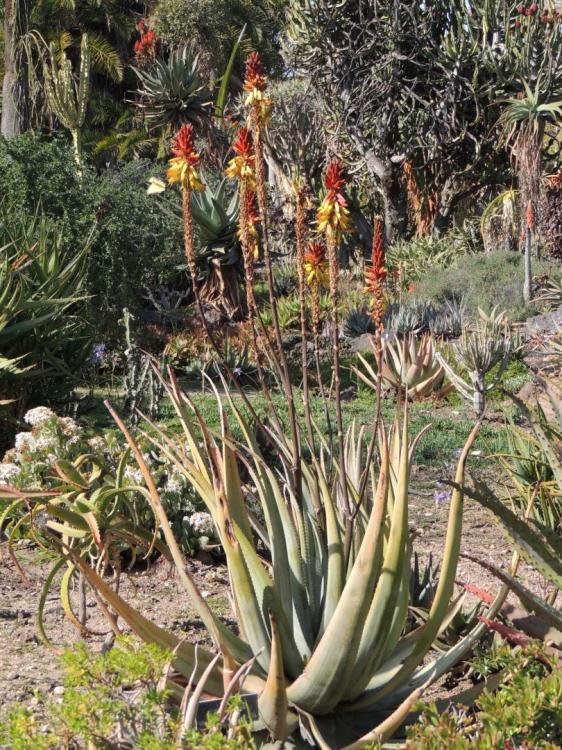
(182, 164)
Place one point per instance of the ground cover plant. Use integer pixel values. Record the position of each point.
(288, 349)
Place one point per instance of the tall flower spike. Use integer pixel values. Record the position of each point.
(242, 165)
(333, 215)
(255, 84)
(182, 165)
(375, 275)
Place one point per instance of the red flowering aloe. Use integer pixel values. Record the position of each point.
(255, 84)
(333, 215)
(316, 264)
(145, 47)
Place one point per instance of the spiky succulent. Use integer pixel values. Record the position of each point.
(485, 348)
(324, 629)
(358, 322)
(171, 94)
(409, 366)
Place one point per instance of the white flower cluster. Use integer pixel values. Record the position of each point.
(69, 427)
(38, 415)
(202, 524)
(24, 442)
(8, 471)
(97, 444)
(134, 476)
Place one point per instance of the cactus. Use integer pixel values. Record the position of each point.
(67, 98)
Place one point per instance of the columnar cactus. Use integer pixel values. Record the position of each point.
(67, 97)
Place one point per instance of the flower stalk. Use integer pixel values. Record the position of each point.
(333, 220)
(259, 104)
(182, 170)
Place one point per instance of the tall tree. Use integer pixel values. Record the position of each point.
(413, 88)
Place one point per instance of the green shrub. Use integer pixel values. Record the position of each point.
(481, 280)
(136, 247)
(525, 712)
(114, 700)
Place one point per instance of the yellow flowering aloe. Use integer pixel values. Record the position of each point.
(182, 167)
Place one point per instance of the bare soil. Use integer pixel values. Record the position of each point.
(28, 665)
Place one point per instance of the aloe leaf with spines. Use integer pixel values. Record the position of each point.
(486, 347)
(67, 98)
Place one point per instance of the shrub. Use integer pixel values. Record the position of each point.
(502, 718)
(135, 247)
(115, 700)
(481, 280)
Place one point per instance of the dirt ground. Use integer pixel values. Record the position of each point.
(27, 665)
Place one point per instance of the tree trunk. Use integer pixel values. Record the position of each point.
(10, 119)
(15, 97)
(388, 173)
(395, 203)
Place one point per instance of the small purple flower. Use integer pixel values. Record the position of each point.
(237, 371)
(458, 453)
(97, 355)
(441, 496)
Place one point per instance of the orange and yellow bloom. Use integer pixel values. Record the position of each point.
(255, 84)
(242, 165)
(316, 265)
(333, 217)
(375, 276)
(182, 167)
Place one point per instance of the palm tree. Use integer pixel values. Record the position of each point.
(524, 121)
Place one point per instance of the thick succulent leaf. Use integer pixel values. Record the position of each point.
(273, 705)
(325, 677)
(532, 547)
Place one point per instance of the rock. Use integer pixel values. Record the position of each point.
(58, 690)
(363, 343)
(544, 324)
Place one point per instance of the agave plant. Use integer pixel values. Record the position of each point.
(358, 322)
(323, 626)
(170, 92)
(410, 367)
(485, 348)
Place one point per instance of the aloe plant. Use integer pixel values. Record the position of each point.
(483, 352)
(410, 367)
(92, 512)
(67, 99)
(170, 92)
(325, 632)
(40, 284)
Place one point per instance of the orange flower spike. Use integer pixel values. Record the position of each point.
(182, 165)
(316, 265)
(333, 215)
(255, 84)
(242, 165)
(375, 275)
